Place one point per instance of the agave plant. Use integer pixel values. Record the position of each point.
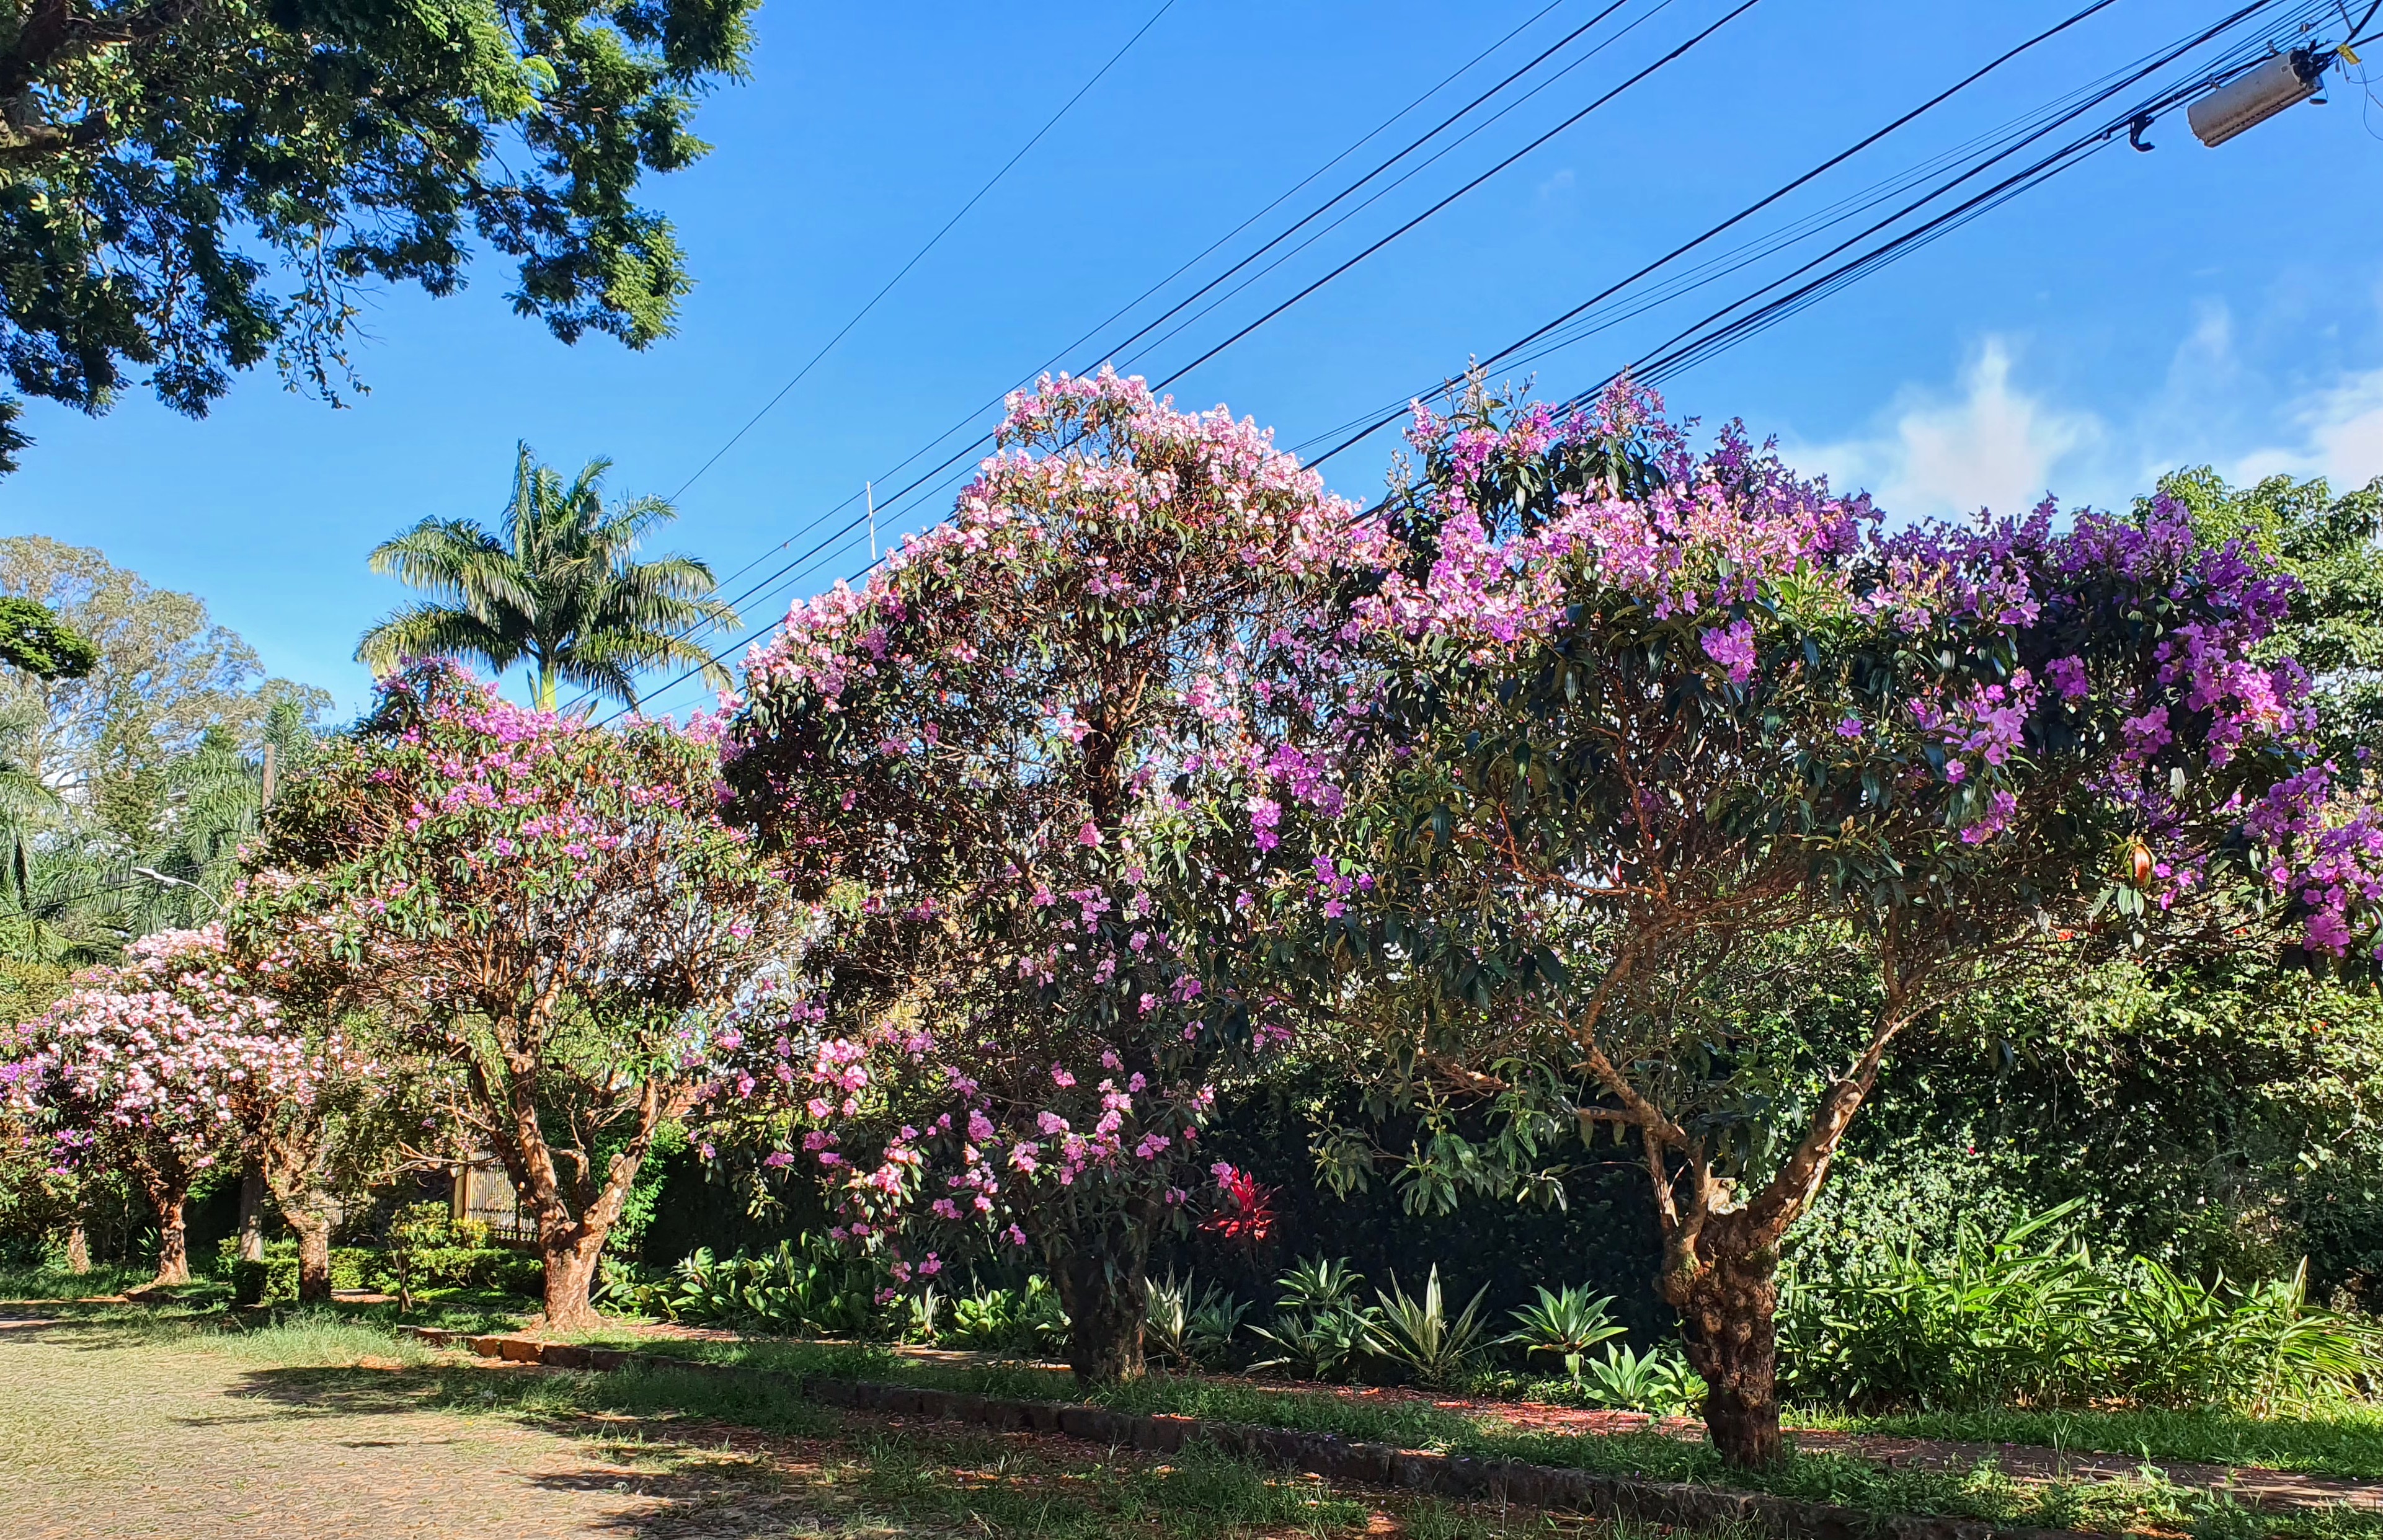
(1567, 1324)
(1188, 1330)
(1420, 1334)
(1319, 1325)
(1167, 1319)
(1214, 1323)
(1660, 1383)
(1316, 1345)
(1319, 1284)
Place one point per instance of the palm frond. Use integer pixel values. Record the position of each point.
(437, 631)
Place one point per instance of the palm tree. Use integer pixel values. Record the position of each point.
(555, 588)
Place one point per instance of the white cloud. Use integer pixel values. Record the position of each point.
(2340, 430)
(1995, 446)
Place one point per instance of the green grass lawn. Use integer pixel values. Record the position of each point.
(1981, 1491)
(337, 1411)
(2333, 1442)
(52, 1280)
(2331, 1439)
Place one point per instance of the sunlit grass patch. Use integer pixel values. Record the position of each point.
(2334, 1438)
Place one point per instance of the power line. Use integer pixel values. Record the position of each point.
(887, 288)
(774, 578)
(2102, 91)
(1600, 101)
(1672, 355)
(920, 253)
(1678, 352)
(1733, 14)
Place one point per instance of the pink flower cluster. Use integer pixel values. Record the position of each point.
(167, 1060)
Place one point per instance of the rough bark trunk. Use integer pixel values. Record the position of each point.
(79, 1248)
(1104, 1293)
(252, 1215)
(314, 1256)
(1728, 1313)
(173, 1239)
(570, 1276)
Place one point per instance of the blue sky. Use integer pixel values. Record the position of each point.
(2139, 312)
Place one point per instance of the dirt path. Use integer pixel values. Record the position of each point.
(103, 1442)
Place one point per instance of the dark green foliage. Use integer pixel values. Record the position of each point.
(1602, 1235)
(810, 1288)
(2031, 1316)
(35, 640)
(185, 192)
(2328, 541)
(2215, 1117)
(1027, 1322)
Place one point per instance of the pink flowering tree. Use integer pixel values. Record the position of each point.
(159, 1067)
(1655, 725)
(551, 910)
(1034, 779)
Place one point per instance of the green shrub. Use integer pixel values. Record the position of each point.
(2025, 1319)
(484, 1267)
(1191, 1330)
(810, 1289)
(1319, 1331)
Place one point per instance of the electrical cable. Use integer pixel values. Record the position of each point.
(1186, 266)
(1680, 352)
(1740, 9)
(1670, 357)
(2105, 89)
(1642, 74)
(916, 257)
(1382, 191)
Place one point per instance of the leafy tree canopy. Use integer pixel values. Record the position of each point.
(2328, 543)
(32, 639)
(188, 190)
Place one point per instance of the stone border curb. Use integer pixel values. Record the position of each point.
(1463, 1477)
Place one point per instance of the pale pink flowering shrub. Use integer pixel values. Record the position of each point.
(1031, 776)
(162, 1068)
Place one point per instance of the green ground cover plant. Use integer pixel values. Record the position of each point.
(1981, 1490)
(51, 1279)
(2327, 1438)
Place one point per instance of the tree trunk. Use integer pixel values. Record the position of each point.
(252, 1215)
(570, 1276)
(314, 1255)
(79, 1248)
(1106, 1306)
(1728, 1313)
(173, 1239)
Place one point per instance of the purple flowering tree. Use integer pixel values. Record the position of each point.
(1654, 723)
(159, 1067)
(1035, 779)
(552, 911)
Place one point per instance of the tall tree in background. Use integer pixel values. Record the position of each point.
(187, 191)
(556, 587)
(130, 779)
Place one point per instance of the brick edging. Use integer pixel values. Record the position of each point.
(1465, 1477)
